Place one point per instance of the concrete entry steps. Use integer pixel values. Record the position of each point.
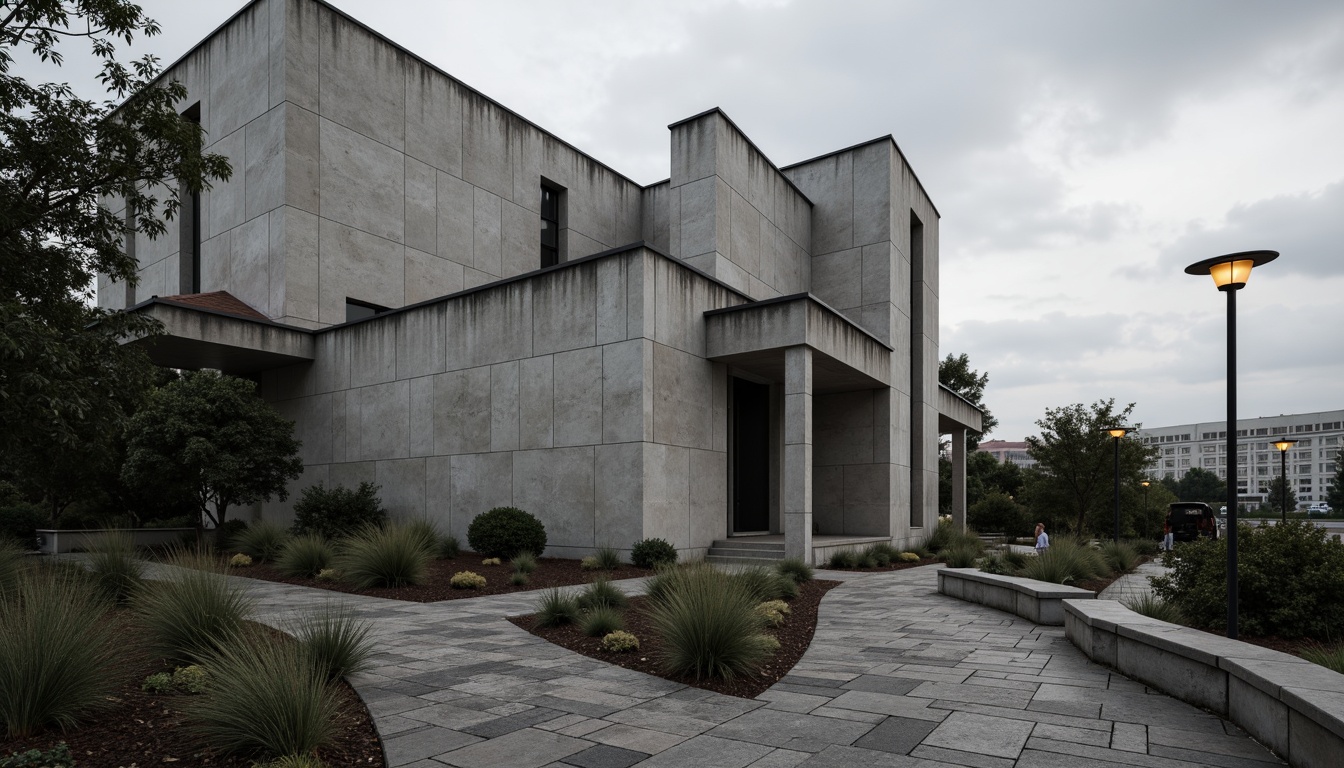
(769, 548)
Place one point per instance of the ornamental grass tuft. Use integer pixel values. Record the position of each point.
(268, 696)
(602, 593)
(261, 541)
(192, 612)
(1154, 607)
(556, 607)
(797, 570)
(600, 621)
(115, 568)
(55, 651)
(1330, 658)
(337, 642)
(608, 559)
(1119, 557)
(305, 556)
(709, 625)
(524, 563)
(392, 556)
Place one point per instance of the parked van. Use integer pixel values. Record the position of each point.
(1190, 520)
(1318, 510)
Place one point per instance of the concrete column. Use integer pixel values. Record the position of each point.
(798, 453)
(959, 479)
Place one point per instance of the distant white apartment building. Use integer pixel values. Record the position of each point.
(1005, 451)
(1311, 461)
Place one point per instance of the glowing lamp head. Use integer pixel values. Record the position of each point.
(1284, 445)
(1231, 272)
(1117, 432)
(1145, 483)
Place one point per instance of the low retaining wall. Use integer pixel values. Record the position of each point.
(1291, 705)
(57, 541)
(1039, 602)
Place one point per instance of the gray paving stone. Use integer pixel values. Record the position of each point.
(954, 757)
(706, 751)
(510, 723)
(781, 758)
(1203, 741)
(1266, 758)
(981, 734)
(427, 742)
(803, 733)
(884, 704)
(1077, 735)
(1129, 737)
(850, 757)
(528, 748)
(604, 756)
(634, 738)
(896, 686)
(979, 694)
(898, 735)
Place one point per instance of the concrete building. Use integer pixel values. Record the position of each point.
(1006, 450)
(459, 306)
(1311, 462)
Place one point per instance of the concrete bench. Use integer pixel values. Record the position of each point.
(1037, 601)
(1291, 705)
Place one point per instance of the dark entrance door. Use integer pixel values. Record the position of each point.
(751, 457)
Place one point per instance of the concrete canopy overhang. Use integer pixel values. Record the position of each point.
(196, 338)
(753, 338)
(956, 412)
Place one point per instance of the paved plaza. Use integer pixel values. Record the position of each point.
(897, 675)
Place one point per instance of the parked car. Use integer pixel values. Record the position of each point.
(1190, 520)
(1320, 509)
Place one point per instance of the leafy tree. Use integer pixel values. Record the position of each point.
(1334, 494)
(66, 380)
(998, 512)
(1075, 458)
(1274, 496)
(956, 374)
(1201, 485)
(211, 434)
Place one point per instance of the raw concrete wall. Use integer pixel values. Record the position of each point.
(851, 468)
(359, 171)
(581, 394)
(732, 214)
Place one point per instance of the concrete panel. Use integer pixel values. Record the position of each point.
(362, 182)
(344, 422)
(250, 280)
(521, 240)
(433, 118)
(667, 493)
(708, 497)
(694, 150)
(422, 416)
(536, 402)
(525, 147)
(556, 485)
(1261, 715)
(490, 326)
(867, 500)
(312, 426)
(878, 278)
(719, 407)
(264, 139)
(627, 381)
(844, 428)
(373, 352)
(578, 397)
(438, 496)
(699, 229)
(828, 499)
(681, 389)
(1188, 680)
(403, 488)
(564, 310)
(302, 32)
(239, 72)
(362, 82)
(462, 411)
(456, 216)
(360, 266)
(837, 278)
(872, 193)
(612, 282)
(429, 277)
(422, 217)
(480, 482)
(745, 239)
(351, 474)
(224, 204)
(487, 233)
(504, 406)
(618, 494)
(294, 244)
(486, 160)
(829, 184)
(331, 363)
(420, 341)
(385, 421)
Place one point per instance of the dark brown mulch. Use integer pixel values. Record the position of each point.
(884, 568)
(139, 728)
(550, 572)
(794, 636)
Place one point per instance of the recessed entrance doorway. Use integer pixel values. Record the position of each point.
(750, 457)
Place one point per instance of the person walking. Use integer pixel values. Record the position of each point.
(1042, 539)
(1167, 535)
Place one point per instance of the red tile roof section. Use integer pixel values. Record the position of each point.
(218, 301)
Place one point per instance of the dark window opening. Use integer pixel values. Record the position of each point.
(358, 310)
(190, 241)
(550, 226)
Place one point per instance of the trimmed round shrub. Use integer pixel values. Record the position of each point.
(620, 641)
(467, 580)
(305, 556)
(337, 511)
(19, 524)
(506, 531)
(651, 553)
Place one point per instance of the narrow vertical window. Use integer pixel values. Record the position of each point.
(189, 243)
(550, 226)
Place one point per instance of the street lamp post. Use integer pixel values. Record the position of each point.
(1283, 446)
(1230, 274)
(1116, 433)
(1145, 485)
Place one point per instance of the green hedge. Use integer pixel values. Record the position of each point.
(506, 531)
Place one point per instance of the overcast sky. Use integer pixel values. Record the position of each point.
(1081, 155)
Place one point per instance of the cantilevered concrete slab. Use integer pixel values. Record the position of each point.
(196, 338)
(754, 337)
(956, 416)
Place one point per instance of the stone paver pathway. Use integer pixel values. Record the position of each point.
(897, 675)
(1135, 584)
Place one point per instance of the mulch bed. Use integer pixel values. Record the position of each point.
(550, 572)
(794, 636)
(144, 729)
(882, 568)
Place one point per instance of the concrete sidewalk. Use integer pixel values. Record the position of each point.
(897, 675)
